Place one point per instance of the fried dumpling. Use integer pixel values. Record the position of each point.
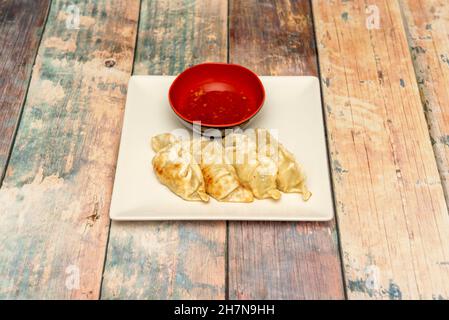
(241, 194)
(175, 167)
(162, 140)
(223, 185)
(259, 176)
(220, 177)
(255, 172)
(290, 177)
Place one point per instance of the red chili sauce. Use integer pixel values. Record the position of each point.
(217, 107)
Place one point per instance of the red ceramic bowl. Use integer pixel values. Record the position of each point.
(219, 95)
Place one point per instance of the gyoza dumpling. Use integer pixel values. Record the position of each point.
(175, 168)
(162, 140)
(222, 184)
(290, 177)
(220, 177)
(257, 173)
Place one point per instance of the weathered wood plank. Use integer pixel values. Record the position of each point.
(427, 28)
(392, 215)
(21, 24)
(279, 260)
(171, 260)
(55, 197)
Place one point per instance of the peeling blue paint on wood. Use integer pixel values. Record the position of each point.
(55, 197)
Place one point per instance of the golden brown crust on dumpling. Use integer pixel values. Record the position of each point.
(221, 179)
(175, 168)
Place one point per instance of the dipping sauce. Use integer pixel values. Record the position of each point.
(220, 95)
(217, 107)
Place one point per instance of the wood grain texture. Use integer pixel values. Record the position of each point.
(171, 260)
(279, 260)
(427, 28)
(55, 198)
(21, 25)
(392, 215)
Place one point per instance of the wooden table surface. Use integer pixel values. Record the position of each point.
(384, 70)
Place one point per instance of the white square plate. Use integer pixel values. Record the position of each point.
(292, 106)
